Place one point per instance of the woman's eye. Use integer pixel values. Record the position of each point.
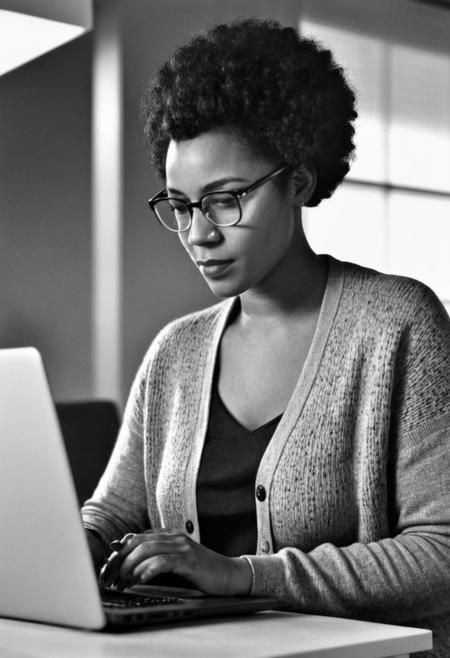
(177, 206)
(223, 202)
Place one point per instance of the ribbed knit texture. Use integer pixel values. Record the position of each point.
(356, 519)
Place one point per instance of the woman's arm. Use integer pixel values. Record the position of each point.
(403, 577)
(118, 504)
(98, 549)
(138, 558)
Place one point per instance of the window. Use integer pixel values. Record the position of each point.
(393, 210)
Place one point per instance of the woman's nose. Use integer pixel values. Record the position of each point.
(202, 231)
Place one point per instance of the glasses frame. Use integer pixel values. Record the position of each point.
(236, 193)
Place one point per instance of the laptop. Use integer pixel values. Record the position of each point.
(46, 570)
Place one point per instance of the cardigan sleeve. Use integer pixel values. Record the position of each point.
(118, 504)
(405, 576)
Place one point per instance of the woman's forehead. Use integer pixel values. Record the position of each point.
(209, 157)
(208, 147)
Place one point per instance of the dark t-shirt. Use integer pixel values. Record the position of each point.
(226, 481)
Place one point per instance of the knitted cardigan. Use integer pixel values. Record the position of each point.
(353, 491)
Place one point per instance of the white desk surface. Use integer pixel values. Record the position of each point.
(261, 635)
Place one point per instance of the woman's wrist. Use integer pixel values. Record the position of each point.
(244, 577)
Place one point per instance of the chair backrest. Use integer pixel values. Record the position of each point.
(90, 430)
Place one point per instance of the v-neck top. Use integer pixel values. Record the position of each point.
(226, 480)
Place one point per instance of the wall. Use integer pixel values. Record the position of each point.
(45, 270)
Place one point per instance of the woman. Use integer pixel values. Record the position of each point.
(292, 440)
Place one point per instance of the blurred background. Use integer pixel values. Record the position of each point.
(86, 273)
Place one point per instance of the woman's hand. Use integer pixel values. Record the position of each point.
(138, 558)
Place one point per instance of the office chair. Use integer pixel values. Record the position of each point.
(89, 430)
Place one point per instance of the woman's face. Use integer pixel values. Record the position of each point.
(246, 256)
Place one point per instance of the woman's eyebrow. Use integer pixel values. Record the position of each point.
(214, 185)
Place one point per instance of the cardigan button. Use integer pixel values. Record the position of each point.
(264, 546)
(189, 527)
(260, 493)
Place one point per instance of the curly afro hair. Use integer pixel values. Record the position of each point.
(283, 94)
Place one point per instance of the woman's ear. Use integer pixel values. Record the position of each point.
(304, 183)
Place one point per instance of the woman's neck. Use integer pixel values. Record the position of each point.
(293, 290)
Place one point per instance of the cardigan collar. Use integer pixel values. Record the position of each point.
(329, 307)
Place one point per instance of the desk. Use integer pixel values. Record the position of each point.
(262, 635)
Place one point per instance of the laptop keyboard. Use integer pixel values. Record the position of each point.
(113, 599)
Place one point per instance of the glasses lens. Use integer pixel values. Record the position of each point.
(173, 214)
(222, 208)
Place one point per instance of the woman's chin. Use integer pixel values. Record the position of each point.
(224, 287)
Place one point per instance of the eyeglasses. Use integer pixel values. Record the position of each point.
(219, 208)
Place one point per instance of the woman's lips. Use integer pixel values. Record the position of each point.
(214, 268)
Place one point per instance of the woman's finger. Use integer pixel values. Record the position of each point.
(118, 544)
(115, 545)
(152, 547)
(108, 569)
(109, 572)
(154, 566)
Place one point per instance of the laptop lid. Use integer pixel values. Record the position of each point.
(46, 571)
